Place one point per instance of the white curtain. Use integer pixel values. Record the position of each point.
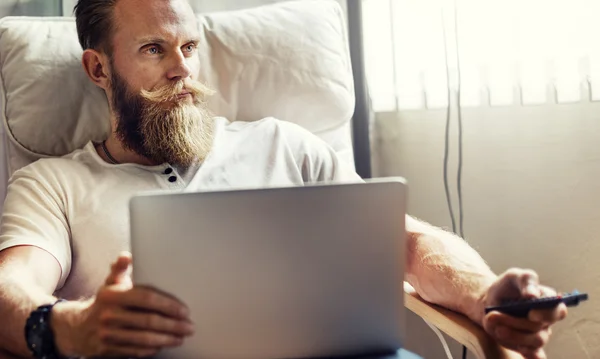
(509, 52)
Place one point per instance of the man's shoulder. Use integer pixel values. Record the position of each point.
(271, 126)
(74, 163)
(271, 134)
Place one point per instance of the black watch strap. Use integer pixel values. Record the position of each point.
(38, 333)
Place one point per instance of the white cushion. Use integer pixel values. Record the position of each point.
(288, 60)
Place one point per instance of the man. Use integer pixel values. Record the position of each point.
(65, 221)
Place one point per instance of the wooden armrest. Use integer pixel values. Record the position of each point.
(457, 326)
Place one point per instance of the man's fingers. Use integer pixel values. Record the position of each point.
(149, 300)
(127, 351)
(513, 284)
(139, 339)
(548, 316)
(547, 291)
(521, 339)
(524, 335)
(146, 321)
(518, 334)
(533, 354)
(526, 352)
(119, 268)
(507, 340)
(496, 319)
(526, 280)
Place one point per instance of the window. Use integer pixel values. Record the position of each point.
(509, 52)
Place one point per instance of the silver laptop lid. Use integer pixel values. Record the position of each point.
(299, 272)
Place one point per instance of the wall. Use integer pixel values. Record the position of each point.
(531, 189)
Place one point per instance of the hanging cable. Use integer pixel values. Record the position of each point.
(447, 133)
(460, 127)
(441, 338)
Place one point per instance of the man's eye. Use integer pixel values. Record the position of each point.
(190, 48)
(153, 50)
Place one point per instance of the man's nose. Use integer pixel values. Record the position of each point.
(179, 69)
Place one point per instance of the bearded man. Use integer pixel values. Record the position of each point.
(65, 224)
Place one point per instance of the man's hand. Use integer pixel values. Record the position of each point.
(122, 320)
(526, 336)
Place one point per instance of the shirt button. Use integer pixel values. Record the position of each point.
(172, 179)
(168, 171)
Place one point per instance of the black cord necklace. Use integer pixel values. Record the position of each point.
(108, 155)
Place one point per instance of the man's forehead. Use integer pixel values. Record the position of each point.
(137, 20)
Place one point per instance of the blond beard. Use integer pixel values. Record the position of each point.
(182, 132)
(160, 126)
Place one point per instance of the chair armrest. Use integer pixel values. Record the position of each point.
(456, 326)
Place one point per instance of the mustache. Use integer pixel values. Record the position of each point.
(169, 92)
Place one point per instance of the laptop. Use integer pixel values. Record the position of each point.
(279, 273)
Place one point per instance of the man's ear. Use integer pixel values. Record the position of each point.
(95, 66)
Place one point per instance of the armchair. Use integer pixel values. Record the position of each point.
(289, 60)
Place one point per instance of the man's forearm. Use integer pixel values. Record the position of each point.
(17, 300)
(445, 270)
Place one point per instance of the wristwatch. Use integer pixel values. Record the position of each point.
(38, 333)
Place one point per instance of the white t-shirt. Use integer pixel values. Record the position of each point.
(76, 207)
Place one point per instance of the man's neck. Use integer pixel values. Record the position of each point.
(120, 153)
